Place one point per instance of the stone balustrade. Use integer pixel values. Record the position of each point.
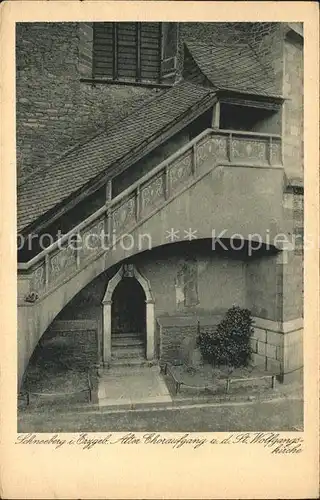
(99, 232)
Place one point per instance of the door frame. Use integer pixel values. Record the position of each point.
(128, 270)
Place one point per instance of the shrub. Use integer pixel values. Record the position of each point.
(229, 344)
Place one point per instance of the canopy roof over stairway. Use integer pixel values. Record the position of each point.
(232, 67)
(129, 139)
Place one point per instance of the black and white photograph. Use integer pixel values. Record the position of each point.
(160, 227)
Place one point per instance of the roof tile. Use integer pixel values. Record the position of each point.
(234, 67)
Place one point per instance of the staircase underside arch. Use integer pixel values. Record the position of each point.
(211, 204)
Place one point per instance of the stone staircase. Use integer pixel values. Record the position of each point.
(128, 348)
(56, 264)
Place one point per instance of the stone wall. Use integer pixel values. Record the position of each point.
(293, 107)
(177, 337)
(142, 167)
(293, 269)
(267, 346)
(278, 346)
(224, 278)
(292, 288)
(82, 337)
(261, 287)
(174, 335)
(293, 352)
(220, 283)
(54, 110)
(271, 124)
(275, 286)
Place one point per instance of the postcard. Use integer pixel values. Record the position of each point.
(160, 250)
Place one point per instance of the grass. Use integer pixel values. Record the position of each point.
(215, 378)
(58, 366)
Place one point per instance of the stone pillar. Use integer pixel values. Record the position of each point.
(150, 330)
(215, 122)
(276, 296)
(106, 333)
(108, 191)
(290, 310)
(99, 337)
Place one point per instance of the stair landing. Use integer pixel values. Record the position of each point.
(129, 386)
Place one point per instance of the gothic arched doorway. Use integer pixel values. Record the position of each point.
(128, 320)
(128, 316)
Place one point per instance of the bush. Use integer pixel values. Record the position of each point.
(229, 344)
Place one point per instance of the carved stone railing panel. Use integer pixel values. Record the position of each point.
(38, 280)
(152, 194)
(180, 172)
(276, 153)
(203, 151)
(62, 262)
(92, 240)
(123, 215)
(253, 150)
(219, 147)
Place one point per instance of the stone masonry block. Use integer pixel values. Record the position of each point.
(279, 353)
(259, 361)
(253, 343)
(261, 348)
(293, 357)
(271, 351)
(274, 338)
(259, 334)
(273, 366)
(293, 337)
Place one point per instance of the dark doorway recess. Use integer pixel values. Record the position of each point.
(128, 307)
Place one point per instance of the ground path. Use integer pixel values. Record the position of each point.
(274, 415)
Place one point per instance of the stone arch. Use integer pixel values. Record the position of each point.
(128, 270)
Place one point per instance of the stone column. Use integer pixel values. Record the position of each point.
(215, 122)
(290, 310)
(150, 330)
(99, 338)
(106, 333)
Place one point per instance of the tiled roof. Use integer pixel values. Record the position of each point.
(46, 189)
(234, 67)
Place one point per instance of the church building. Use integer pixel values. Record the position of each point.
(160, 182)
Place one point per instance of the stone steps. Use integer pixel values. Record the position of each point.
(127, 345)
(120, 363)
(127, 342)
(125, 351)
(127, 348)
(127, 335)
